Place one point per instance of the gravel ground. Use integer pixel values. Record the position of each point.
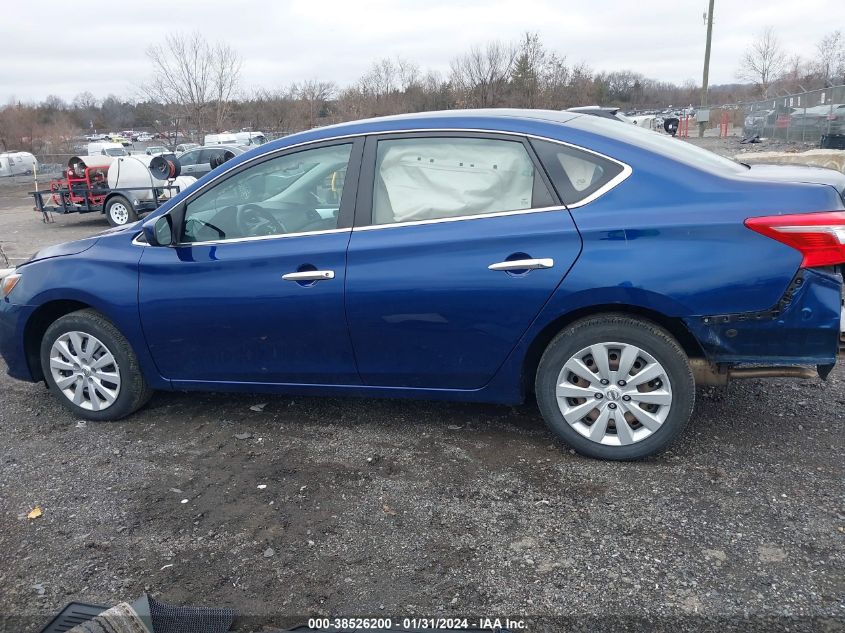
(376, 507)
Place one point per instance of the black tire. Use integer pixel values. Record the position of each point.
(650, 338)
(133, 393)
(122, 208)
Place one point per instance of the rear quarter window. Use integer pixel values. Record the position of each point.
(576, 174)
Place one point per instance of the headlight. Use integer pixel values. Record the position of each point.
(8, 283)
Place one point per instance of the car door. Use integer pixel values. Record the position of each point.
(459, 241)
(189, 163)
(253, 292)
(208, 155)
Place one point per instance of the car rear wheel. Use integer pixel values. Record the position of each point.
(119, 211)
(91, 368)
(615, 387)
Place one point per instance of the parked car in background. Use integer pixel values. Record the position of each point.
(106, 148)
(469, 255)
(814, 120)
(836, 116)
(768, 122)
(144, 137)
(756, 121)
(184, 147)
(155, 150)
(201, 160)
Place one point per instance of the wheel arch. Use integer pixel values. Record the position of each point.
(37, 325)
(675, 326)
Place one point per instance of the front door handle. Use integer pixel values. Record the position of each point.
(309, 275)
(523, 264)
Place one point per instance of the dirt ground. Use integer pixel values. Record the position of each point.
(285, 508)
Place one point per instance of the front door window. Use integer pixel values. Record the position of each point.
(294, 193)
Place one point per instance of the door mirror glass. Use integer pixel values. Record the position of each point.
(160, 232)
(163, 231)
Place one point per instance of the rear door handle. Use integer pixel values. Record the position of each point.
(523, 264)
(309, 275)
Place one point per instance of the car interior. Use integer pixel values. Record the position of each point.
(291, 194)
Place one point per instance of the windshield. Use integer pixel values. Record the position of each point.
(114, 151)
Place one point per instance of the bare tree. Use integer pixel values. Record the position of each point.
(194, 77)
(831, 57)
(226, 69)
(314, 95)
(409, 73)
(764, 61)
(18, 127)
(798, 75)
(481, 75)
(272, 111)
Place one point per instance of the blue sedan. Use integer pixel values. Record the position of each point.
(463, 255)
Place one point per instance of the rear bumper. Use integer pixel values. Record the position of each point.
(803, 329)
(13, 320)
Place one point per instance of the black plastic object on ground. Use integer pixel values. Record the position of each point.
(72, 615)
(832, 141)
(670, 124)
(169, 619)
(147, 613)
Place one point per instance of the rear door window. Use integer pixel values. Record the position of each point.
(207, 155)
(189, 158)
(576, 174)
(435, 178)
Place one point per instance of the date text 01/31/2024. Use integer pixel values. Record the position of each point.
(502, 625)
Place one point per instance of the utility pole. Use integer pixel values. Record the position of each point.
(706, 78)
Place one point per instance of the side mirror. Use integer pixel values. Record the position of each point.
(159, 232)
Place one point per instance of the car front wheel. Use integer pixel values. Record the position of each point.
(615, 387)
(91, 368)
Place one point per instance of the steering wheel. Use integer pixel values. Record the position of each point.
(253, 221)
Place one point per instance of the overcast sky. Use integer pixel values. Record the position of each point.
(51, 47)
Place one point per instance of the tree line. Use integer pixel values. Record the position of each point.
(195, 86)
(772, 70)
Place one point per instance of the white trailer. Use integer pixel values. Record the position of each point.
(17, 164)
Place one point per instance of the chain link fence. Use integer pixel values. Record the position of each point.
(814, 117)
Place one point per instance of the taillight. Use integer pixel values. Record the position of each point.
(819, 236)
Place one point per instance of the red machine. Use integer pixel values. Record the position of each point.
(81, 185)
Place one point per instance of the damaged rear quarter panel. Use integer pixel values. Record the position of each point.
(803, 328)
